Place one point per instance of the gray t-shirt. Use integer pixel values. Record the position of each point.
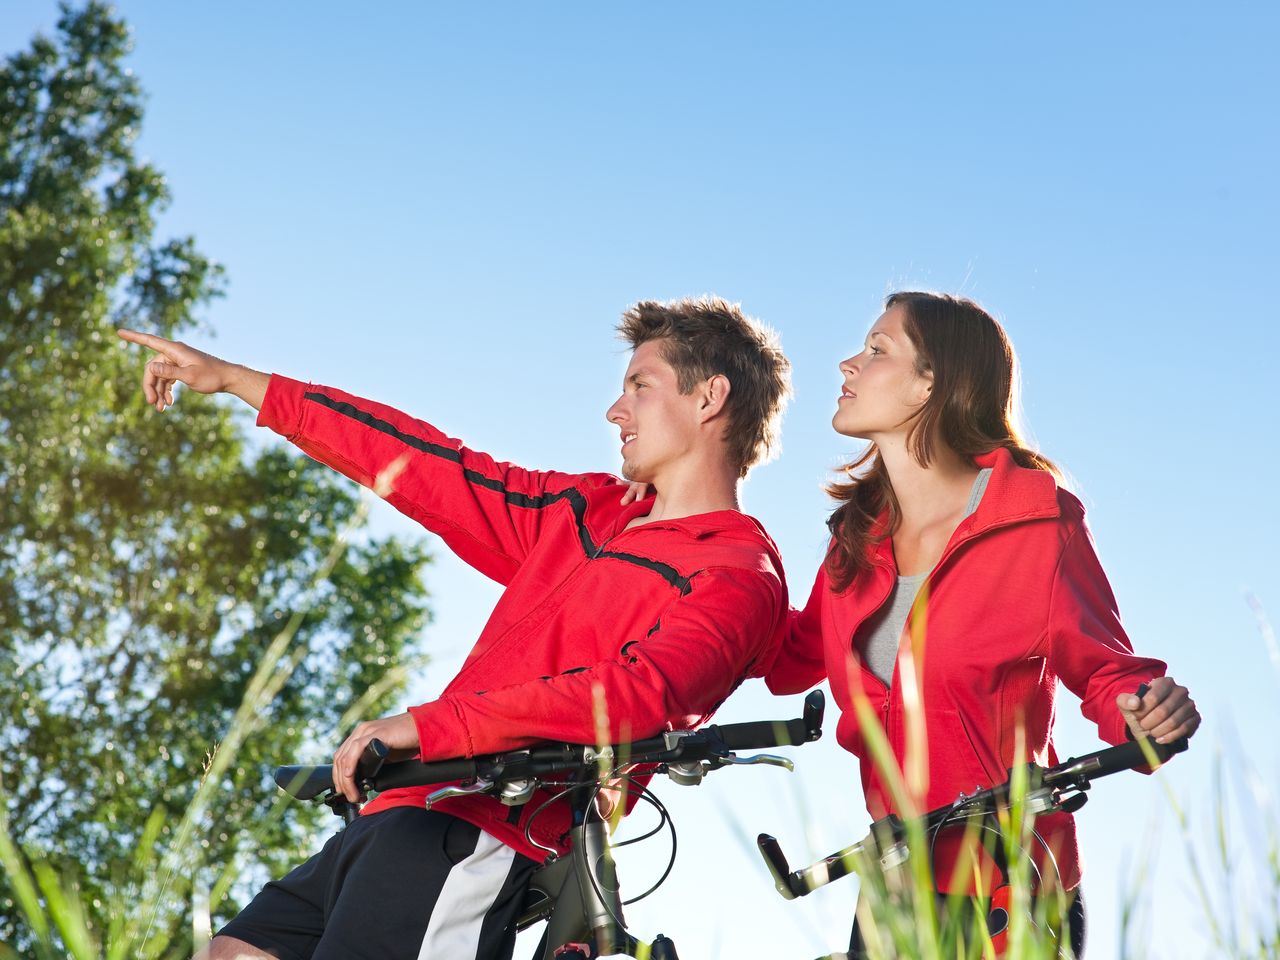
(878, 638)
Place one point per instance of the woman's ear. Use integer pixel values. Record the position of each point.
(925, 386)
(715, 393)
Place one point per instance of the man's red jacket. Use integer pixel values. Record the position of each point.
(659, 624)
(1017, 602)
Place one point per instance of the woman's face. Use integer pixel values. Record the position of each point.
(882, 390)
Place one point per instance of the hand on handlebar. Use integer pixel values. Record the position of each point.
(1165, 712)
(399, 733)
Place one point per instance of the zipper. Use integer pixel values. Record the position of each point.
(605, 543)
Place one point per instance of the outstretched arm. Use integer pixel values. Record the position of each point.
(489, 513)
(176, 362)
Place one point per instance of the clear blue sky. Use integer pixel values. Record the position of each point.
(447, 207)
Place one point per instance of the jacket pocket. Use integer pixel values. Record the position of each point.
(955, 764)
(992, 771)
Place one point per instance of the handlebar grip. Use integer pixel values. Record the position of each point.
(415, 773)
(1127, 756)
(305, 782)
(308, 781)
(762, 734)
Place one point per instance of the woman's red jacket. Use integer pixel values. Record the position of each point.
(1017, 602)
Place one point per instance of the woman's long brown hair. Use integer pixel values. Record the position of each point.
(971, 410)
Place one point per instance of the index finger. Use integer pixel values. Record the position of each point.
(144, 339)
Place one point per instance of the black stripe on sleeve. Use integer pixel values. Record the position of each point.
(577, 502)
(668, 573)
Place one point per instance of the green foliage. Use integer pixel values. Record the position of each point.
(148, 560)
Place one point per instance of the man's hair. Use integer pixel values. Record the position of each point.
(705, 336)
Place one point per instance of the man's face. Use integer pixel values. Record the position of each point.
(658, 424)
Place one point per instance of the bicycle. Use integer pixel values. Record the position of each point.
(1060, 788)
(577, 893)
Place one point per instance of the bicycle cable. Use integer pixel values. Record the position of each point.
(665, 820)
(987, 828)
(955, 814)
(641, 789)
(643, 793)
(528, 824)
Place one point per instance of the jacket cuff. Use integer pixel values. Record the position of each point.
(282, 406)
(442, 733)
(1120, 729)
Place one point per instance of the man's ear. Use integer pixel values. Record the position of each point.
(713, 395)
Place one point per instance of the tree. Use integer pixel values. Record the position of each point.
(148, 561)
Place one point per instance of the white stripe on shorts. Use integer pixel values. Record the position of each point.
(469, 891)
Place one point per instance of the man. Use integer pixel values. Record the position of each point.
(637, 617)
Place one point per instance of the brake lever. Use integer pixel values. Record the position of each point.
(458, 790)
(767, 759)
(479, 786)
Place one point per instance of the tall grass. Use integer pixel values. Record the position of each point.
(161, 874)
(899, 913)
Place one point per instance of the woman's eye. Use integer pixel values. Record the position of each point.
(874, 351)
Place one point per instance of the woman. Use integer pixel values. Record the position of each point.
(961, 574)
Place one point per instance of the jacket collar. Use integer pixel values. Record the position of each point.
(1014, 494)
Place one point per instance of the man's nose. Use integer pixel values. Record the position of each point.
(615, 412)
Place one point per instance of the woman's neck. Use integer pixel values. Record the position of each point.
(926, 495)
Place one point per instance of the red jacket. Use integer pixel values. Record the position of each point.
(665, 619)
(1017, 602)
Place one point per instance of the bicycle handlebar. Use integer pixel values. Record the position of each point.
(713, 743)
(762, 734)
(1102, 763)
(1075, 773)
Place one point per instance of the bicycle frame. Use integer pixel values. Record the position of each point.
(580, 897)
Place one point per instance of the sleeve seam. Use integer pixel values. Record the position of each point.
(1046, 638)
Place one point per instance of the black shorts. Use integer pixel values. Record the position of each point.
(386, 888)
